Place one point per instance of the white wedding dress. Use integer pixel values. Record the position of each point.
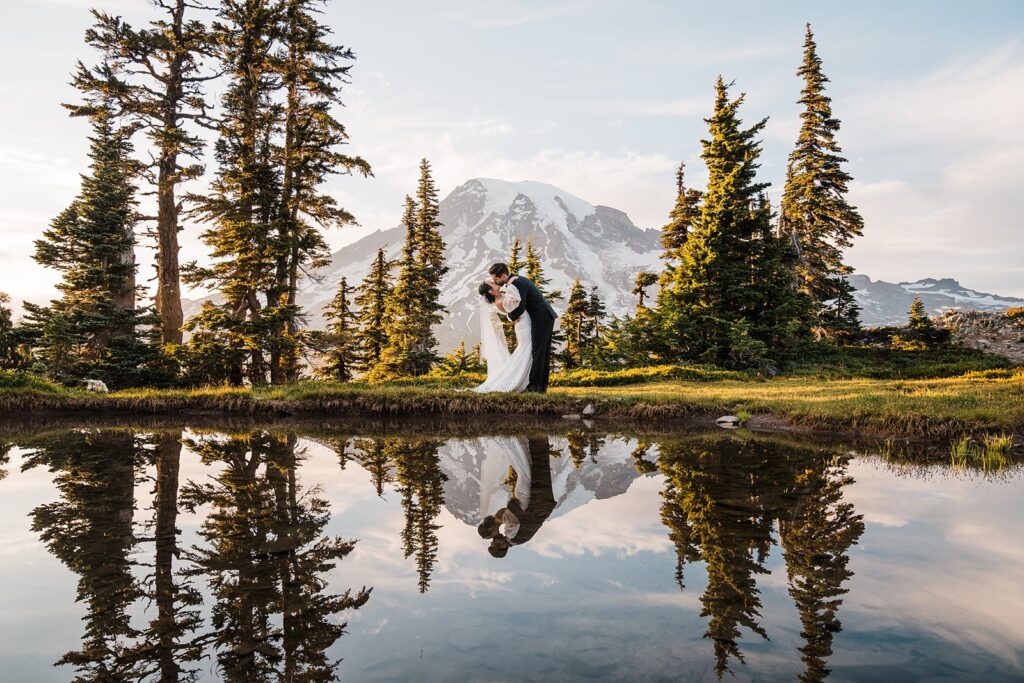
(506, 372)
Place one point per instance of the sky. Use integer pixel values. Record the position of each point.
(603, 98)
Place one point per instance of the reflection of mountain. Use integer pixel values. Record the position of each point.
(608, 473)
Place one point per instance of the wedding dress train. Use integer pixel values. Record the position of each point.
(506, 372)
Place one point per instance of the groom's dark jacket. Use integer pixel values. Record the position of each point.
(531, 301)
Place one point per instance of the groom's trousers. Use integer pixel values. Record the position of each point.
(541, 327)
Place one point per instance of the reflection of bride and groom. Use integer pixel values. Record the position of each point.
(514, 517)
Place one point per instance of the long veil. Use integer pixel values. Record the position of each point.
(493, 346)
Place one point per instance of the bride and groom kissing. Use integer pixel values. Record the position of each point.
(527, 367)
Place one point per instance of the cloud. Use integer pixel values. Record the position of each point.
(506, 15)
(950, 148)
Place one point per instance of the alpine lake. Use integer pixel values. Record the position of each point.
(503, 550)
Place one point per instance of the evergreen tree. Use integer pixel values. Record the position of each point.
(713, 303)
(153, 76)
(459, 362)
(401, 356)
(415, 307)
(312, 72)
(814, 206)
(643, 281)
(917, 317)
(371, 320)
(431, 267)
(921, 333)
(515, 263)
(243, 202)
(535, 272)
(339, 343)
(15, 350)
(681, 218)
(596, 328)
(278, 143)
(93, 330)
(575, 327)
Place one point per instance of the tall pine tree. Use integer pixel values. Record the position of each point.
(815, 211)
(94, 330)
(153, 76)
(312, 72)
(243, 202)
(712, 302)
(400, 356)
(431, 266)
(575, 326)
(415, 307)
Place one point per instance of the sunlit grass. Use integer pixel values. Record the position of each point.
(991, 454)
(978, 403)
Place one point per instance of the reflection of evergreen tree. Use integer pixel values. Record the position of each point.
(421, 486)
(5, 457)
(165, 644)
(265, 555)
(714, 513)
(584, 444)
(816, 537)
(640, 461)
(375, 460)
(721, 498)
(90, 530)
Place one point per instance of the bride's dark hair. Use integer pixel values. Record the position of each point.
(485, 291)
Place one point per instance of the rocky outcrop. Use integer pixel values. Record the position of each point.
(1001, 333)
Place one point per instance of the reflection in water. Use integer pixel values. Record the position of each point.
(264, 560)
(168, 644)
(530, 497)
(265, 555)
(816, 537)
(249, 587)
(90, 530)
(721, 499)
(421, 486)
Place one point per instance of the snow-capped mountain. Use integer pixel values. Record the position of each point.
(886, 303)
(482, 217)
(575, 239)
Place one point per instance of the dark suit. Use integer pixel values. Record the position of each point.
(542, 321)
(542, 499)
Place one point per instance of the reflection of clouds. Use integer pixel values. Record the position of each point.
(624, 525)
(947, 569)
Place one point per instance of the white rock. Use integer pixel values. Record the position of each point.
(728, 422)
(589, 410)
(96, 385)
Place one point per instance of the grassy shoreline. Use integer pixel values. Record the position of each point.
(930, 408)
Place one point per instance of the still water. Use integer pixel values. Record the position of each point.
(303, 552)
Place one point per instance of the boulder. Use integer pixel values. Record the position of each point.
(728, 422)
(96, 385)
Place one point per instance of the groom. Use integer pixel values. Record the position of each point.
(542, 322)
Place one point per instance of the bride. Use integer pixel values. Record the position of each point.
(507, 372)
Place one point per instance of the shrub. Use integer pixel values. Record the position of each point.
(654, 373)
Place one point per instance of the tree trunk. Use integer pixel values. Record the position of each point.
(167, 465)
(168, 292)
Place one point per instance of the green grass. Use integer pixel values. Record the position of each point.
(988, 396)
(991, 454)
